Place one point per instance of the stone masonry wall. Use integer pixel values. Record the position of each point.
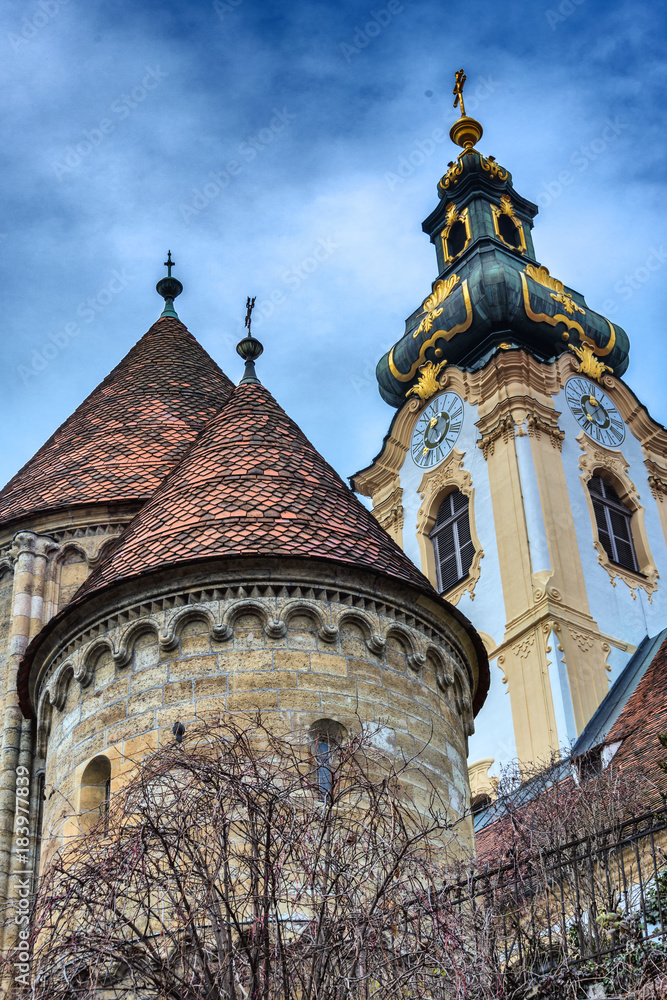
(121, 693)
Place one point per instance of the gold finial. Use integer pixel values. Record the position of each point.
(458, 90)
(465, 131)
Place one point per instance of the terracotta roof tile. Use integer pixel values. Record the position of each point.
(129, 433)
(253, 485)
(642, 720)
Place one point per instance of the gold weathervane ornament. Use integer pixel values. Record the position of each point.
(458, 90)
(465, 131)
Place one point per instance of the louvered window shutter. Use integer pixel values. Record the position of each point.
(451, 539)
(613, 521)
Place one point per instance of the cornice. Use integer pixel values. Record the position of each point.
(274, 580)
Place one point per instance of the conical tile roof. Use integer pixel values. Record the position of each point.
(253, 485)
(129, 433)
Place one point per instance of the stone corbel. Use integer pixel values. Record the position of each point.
(504, 429)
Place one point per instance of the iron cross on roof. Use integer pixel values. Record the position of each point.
(169, 263)
(250, 305)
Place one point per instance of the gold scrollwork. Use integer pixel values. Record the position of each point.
(454, 171)
(428, 384)
(588, 363)
(441, 291)
(438, 335)
(489, 164)
(542, 277)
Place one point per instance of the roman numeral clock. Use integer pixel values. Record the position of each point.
(437, 430)
(594, 412)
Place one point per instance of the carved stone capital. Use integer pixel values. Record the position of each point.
(504, 428)
(29, 543)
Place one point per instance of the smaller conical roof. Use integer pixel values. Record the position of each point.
(131, 431)
(253, 485)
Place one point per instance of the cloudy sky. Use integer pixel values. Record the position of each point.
(285, 151)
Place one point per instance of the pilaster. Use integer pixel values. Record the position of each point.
(30, 554)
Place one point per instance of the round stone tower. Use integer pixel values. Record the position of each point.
(253, 579)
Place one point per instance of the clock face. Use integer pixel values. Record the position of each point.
(594, 411)
(437, 430)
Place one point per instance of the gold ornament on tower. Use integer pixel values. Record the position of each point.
(465, 131)
(428, 384)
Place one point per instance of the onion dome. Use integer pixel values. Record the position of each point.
(491, 289)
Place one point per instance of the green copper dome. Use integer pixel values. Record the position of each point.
(491, 291)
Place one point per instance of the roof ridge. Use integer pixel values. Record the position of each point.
(129, 432)
(223, 500)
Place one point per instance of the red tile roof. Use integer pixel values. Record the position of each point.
(253, 485)
(642, 720)
(129, 433)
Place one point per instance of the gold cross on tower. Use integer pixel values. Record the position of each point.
(458, 91)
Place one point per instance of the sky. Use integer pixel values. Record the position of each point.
(286, 151)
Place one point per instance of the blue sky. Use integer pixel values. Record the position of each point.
(262, 144)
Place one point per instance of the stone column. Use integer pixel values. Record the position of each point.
(30, 553)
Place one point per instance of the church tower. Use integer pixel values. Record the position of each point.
(520, 472)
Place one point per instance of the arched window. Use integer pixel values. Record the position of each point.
(95, 793)
(480, 803)
(509, 231)
(613, 523)
(323, 751)
(454, 549)
(327, 735)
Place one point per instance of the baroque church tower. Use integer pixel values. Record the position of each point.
(520, 472)
(178, 550)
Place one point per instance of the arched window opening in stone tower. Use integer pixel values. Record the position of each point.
(452, 541)
(614, 523)
(326, 735)
(95, 793)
